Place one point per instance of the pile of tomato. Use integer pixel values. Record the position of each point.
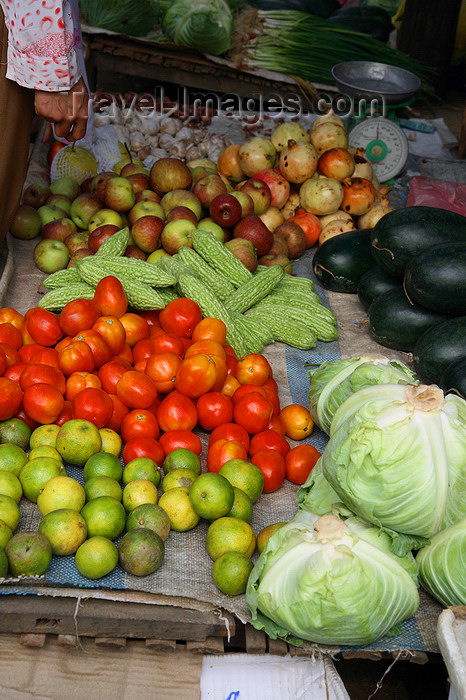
(153, 377)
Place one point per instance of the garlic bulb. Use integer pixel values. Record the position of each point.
(144, 153)
(185, 134)
(137, 140)
(165, 141)
(199, 135)
(159, 153)
(192, 152)
(178, 149)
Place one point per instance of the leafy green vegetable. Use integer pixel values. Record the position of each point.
(330, 581)
(203, 24)
(395, 458)
(442, 565)
(132, 17)
(331, 383)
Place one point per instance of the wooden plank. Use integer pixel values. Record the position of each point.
(362, 654)
(211, 645)
(161, 644)
(67, 640)
(33, 640)
(111, 642)
(278, 647)
(256, 640)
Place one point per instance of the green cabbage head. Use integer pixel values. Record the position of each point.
(331, 581)
(442, 565)
(203, 24)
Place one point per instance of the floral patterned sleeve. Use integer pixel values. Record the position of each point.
(43, 41)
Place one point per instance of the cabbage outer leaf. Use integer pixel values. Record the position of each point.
(442, 565)
(203, 24)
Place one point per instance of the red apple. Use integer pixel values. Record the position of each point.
(207, 188)
(26, 223)
(119, 194)
(259, 192)
(146, 233)
(182, 213)
(282, 260)
(99, 183)
(145, 208)
(83, 209)
(247, 205)
(181, 198)
(254, 230)
(36, 195)
(176, 234)
(168, 174)
(59, 229)
(99, 235)
(79, 255)
(146, 196)
(140, 181)
(86, 185)
(53, 150)
(225, 210)
(75, 241)
(295, 238)
(279, 246)
(132, 251)
(244, 251)
(133, 169)
(278, 185)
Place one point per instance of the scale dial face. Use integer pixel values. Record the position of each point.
(385, 143)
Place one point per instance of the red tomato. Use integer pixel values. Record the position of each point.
(142, 350)
(43, 326)
(244, 389)
(11, 354)
(155, 331)
(300, 461)
(126, 355)
(78, 381)
(113, 331)
(297, 421)
(206, 347)
(253, 412)
(162, 368)
(176, 411)
(276, 424)
(229, 351)
(26, 352)
(3, 362)
(140, 366)
(22, 415)
(152, 317)
(272, 465)
(42, 374)
(11, 396)
(139, 423)
(230, 385)
(76, 357)
(210, 329)
(136, 328)
(143, 447)
(214, 409)
(93, 405)
(78, 315)
(14, 372)
(222, 451)
(11, 335)
(196, 375)
(230, 431)
(118, 413)
(43, 403)
(110, 373)
(26, 336)
(271, 384)
(252, 369)
(45, 356)
(269, 440)
(231, 363)
(167, 342)
(110, 297)
(10, 315)
(174, 439)
(221, 367)
(272, 396)
(180, 317)
(136, 390)
(61, 345)
(99, 346)
(65, 414)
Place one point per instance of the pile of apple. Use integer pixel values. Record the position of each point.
(266, 199)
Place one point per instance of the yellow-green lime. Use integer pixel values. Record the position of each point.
(178, 477)
(10, 485)
(3, 563)
(65, 529)
(242, 506)
(104, 516)
(29, 553)
(245, 476)
(9, 511)
(45, 451)
(12, 458)
(61, 492)
(102, 486)
(77, 440)
(230, 535)
(182, 458)
(265, 534)
(231, 572)
(177, 504)
(6, 533)
(141, 468)
(141, 551)
(15, 431)
(35, 474)
(102, 464)
(96, 557)
(151, 516)
(137, 492)
(44, 435)
(212, 495)
(111, 441)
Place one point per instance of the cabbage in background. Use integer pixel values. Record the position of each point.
(442, 565)
(331, 581)
(202, 24)
(131, 17)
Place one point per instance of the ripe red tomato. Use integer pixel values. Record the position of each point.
(269, 440)
(45, 356)
(136, 328)
(272, 465)
(3, 362)
(210, 329)
(78, 381)
(110, 373)
(167, 342)
(142, 350)
(176, 411)
(10, 315)
(78, 315)
(206, 347)
(10, 353)
(11, 396)
(99, 346)
(230, 385)
(231, 363)
(27, 351)
(113, 331)
(180, 317)
(139, 423)
(42, 374)
(14, 372)
(110, 297)
(196, 375)
(214, 409)
(11, 335)
(76, 357)
(43, 403)
(65, 414)
(299, 462)
(222, 451)
(162, 368)
(297, 421)
(230, 431)
(276, 424)
(136, 390)
(174, 439)
(253, 412)
(43, 326)
(252, 369)
(272, 396)
(93, 405)
(21, 413)
(118, 413)
(126, 355)
(152, 317)
(143, 447)
(244, 389)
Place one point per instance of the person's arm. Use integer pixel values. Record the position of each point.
(67, 111)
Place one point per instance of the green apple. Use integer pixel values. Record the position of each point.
(67, 186)
(105, 216)
(51, 212)
(26, 223)
(83, 209)
(51, 255)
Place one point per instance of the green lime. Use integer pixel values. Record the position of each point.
(231, 572)
(141, 468)
(178, 477)
(104, 516)
(77, 440)
(141, 551)
(12, 458)
(9, 512)
(10, 485)
(212, 495)
(151, 516)
(245, 475)
(16, 432)
(61, 492)
(102, 486)
(96, 557)
(35, 474)
(3, 563)
(45, 451)
(137, 492)
(182, 458)
(177, 504)
(65, 529)
(229, 535)
(242, 506)
(44, 435)
(29, 553)
(6, 533)
(103, 464)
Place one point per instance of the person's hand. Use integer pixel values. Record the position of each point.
(68, 110)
